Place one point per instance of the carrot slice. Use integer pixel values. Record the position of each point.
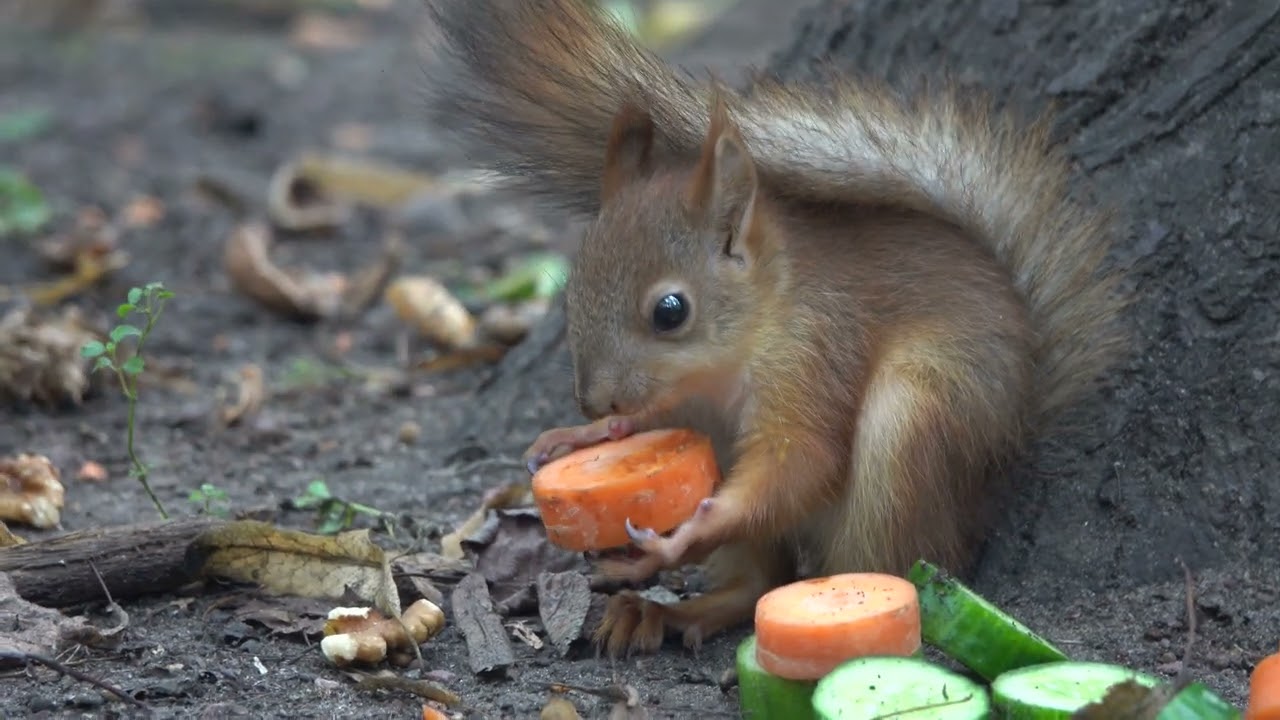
(1264, 690)
(805, 629)
(656, 479)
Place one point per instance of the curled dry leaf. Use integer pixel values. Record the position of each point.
(295, 294)
(367, 636)
(26, 627)
(299, 563)
(364, 181)
(433, 311)
(297, 202)
(505, 496)
(250, 394)
(40, 357)
(368, 284)
(30, 491)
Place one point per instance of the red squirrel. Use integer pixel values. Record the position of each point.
(881, 298)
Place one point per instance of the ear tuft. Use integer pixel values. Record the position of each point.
(629, 151)
(724, 185)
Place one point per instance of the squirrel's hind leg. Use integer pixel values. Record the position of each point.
(739, 574)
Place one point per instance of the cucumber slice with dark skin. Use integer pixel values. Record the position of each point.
(1197, 702)
(972, 631)
(763, 695)
(1055, 691)
(903, 688)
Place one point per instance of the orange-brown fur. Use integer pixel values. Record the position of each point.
(890, 296)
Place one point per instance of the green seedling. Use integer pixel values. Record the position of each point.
(146, 302)
(212, 498)
(334, 514)
(22, 206)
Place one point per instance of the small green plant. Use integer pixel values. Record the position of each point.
(147, 302)
(334, 513)
(23, 209)
(212, 498)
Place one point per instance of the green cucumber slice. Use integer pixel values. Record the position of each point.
(902, 687)
(1197, 702)
(763, 695)
(1054, 691)
(972, 631)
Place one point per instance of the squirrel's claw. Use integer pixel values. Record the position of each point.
(640, 537)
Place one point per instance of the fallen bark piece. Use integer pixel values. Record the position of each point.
(564, 601)
(31, 629)
(488, 648)
(293, 293)
(387, 680)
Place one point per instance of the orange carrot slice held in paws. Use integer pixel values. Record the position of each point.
(805, 629)
(1264, 690)
(655, 479)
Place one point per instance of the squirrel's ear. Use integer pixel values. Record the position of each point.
(629, 152)
(725, 184)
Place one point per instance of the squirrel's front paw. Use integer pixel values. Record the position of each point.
(558, 442)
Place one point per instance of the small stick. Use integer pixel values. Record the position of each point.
(57, 666)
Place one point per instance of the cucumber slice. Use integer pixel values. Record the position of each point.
(1054, 691)
(972, 631)
(763, 695)
(902, 687)
(1197, 702)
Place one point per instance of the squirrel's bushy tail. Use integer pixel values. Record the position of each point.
(530, 88)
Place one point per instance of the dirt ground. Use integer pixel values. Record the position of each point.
(222, 95)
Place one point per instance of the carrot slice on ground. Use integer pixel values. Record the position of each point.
(656, 479)
(805, 629)
(1264, 690)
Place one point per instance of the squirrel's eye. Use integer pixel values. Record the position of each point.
(670, 312)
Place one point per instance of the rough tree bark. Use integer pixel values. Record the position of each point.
(1172, 111)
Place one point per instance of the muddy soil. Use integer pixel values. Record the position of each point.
(222, 95)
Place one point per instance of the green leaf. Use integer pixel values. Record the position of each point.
(22, 205)
(539, 276)
(318, 489)
(121, 332)
(24, 124)
(92, 349)
(164, 295)
(103, 362)
(133, 366)
(135, 296)
(124, 310)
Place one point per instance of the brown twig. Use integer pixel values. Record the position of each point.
(28, 658)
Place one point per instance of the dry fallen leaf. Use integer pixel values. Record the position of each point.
(510, 495)
(1128, 700)
(298, 295)
(297, 202)
(285, 614)
(29, 628)
(510, 550)
(298, 563)
(352, 136)
(250, 394)
(429, 307)
(368, 182)
(30, 491)
(509, 324)
(8, 539)
(40, 358)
